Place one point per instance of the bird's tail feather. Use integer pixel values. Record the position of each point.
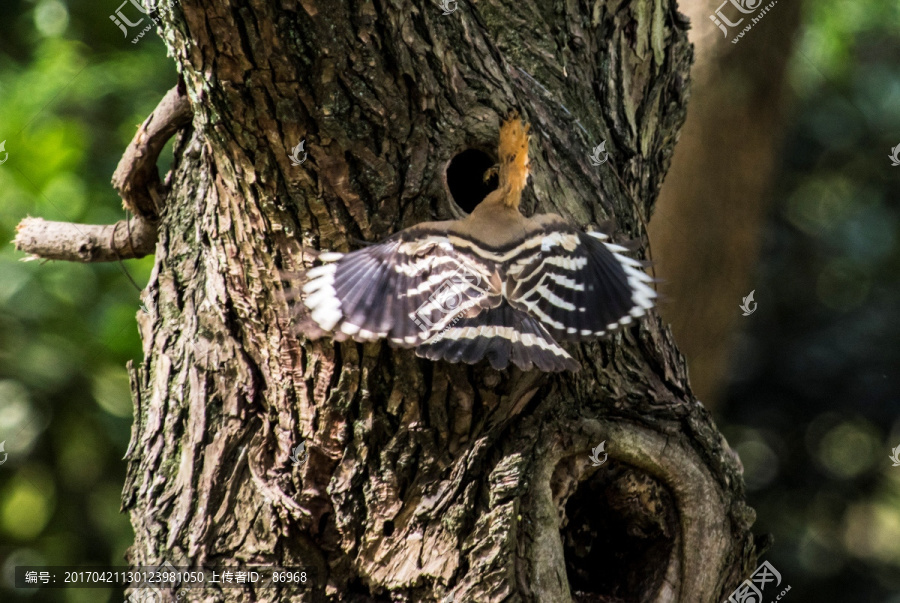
(502, 335)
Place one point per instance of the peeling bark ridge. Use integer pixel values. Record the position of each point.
(330, 126)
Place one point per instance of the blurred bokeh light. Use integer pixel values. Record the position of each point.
(817, 364)
(72, 92)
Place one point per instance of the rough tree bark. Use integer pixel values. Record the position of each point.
(424, 481)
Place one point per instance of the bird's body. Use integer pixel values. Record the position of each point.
(494, 285)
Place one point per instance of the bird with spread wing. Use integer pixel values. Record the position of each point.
(493, 285)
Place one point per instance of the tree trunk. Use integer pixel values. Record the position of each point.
(707, 227)
(424, 481)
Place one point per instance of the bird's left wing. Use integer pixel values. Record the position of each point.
(406, 289)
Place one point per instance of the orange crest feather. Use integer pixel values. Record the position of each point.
(513, 151)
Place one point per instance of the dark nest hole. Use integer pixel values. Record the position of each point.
(618, 533)
(465, 178)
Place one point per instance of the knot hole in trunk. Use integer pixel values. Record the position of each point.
(465, 178)
(618, 530)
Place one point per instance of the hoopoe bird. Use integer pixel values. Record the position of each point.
(493, 285)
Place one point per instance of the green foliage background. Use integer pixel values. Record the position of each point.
(72, 91)
(814, 398)
(813, 407)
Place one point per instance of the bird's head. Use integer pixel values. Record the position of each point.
(514, 164)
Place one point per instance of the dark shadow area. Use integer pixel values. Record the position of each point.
(465, 178)
(619, 525)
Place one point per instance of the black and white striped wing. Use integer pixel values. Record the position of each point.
(503, 335)
(405, 289)
(579, 285)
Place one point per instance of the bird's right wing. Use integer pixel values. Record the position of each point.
(579, 285)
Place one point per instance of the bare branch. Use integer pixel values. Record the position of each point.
(136, 178)
(137, 181)
(124, 240)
